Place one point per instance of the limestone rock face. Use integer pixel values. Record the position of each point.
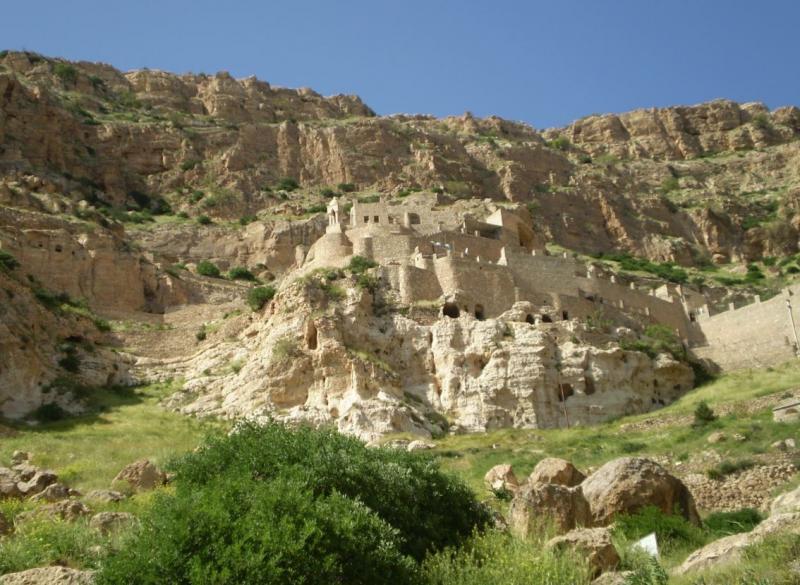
(593, 543)
(730, 548)
(677, 132)
(625, 485)
(308, 358)
(555, 470)
(535, 506)
(49, 576)
(141, 475)
(501, 478)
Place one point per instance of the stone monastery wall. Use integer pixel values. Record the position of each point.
(756, 335)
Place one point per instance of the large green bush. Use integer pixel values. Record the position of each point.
(259, 296)
(207, 268)
(238, 529)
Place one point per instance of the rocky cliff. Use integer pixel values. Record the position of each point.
(115, 186)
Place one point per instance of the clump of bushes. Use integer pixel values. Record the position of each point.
(673, 531)
(65, 72)
(359, 264)
(346, 187)
(259, 296)
(240, 273)
(50, 412)
(256, 506)
(665, 270)
(287, 184)
(560, 142)
(726, 468)
(208, 268)
(7, 261)
(204, 220)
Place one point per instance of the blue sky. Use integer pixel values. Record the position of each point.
(544, 62)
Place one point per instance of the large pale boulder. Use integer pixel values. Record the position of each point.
(730, 548)
(786, 503)
(49, 576)
(543, 504)
(141, 475)
(55, 492)
(555, 470)
(501, 478)
(628, 484)
(107, 496)
(66, 510)
(592, 543)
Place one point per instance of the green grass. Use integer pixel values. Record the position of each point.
(88, 451)
(473, 455)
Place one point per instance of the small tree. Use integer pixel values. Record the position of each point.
(206, 268)
(260, 296)
(703, 414)
(240, 273)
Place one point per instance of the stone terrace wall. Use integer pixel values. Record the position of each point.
(755, 335)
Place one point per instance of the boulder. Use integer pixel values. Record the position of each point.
(18, 457)
(67, 510)
(108, 522)
(555, 470)
(613, 578)
(784, 445)
(730, 548)
(107, 496)
(787, 411)
(628, 484)
(54, 492)
(49, 576)
(141, 475)
(8, 483)
(539, 504)
(501, 478)
(786, 503)
(592, 543)
(716, 437)
(37, 482)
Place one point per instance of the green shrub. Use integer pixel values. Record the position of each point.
(318, 208)
(648, 572)
(389, 482)
(240, 273)
(188, 165)
(259, 296)
(560, 142)
(670, 184)
(65, 72)
(287, 184)
(201, 334)
(196, 196)
(673, 531)
(237, 529)
(703, 414)
(346, 187)
(207, 268)
(7, 261)
(327, 192)
(497, 558)
(359, 264)
(726, 468)
(247, 219)
(721, 524)
(50, 412)
(204, 220)
(761, 121)
(367, 282)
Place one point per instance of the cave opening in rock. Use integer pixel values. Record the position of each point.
(311, 335)
(564, 391)
(479, 314)
(564, 315)
(529, 319)
(451, 310)
(546, 318)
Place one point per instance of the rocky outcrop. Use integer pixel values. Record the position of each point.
(786, 503)
(684, 132)
(109, 522)
(628, 484)
(338, 361)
